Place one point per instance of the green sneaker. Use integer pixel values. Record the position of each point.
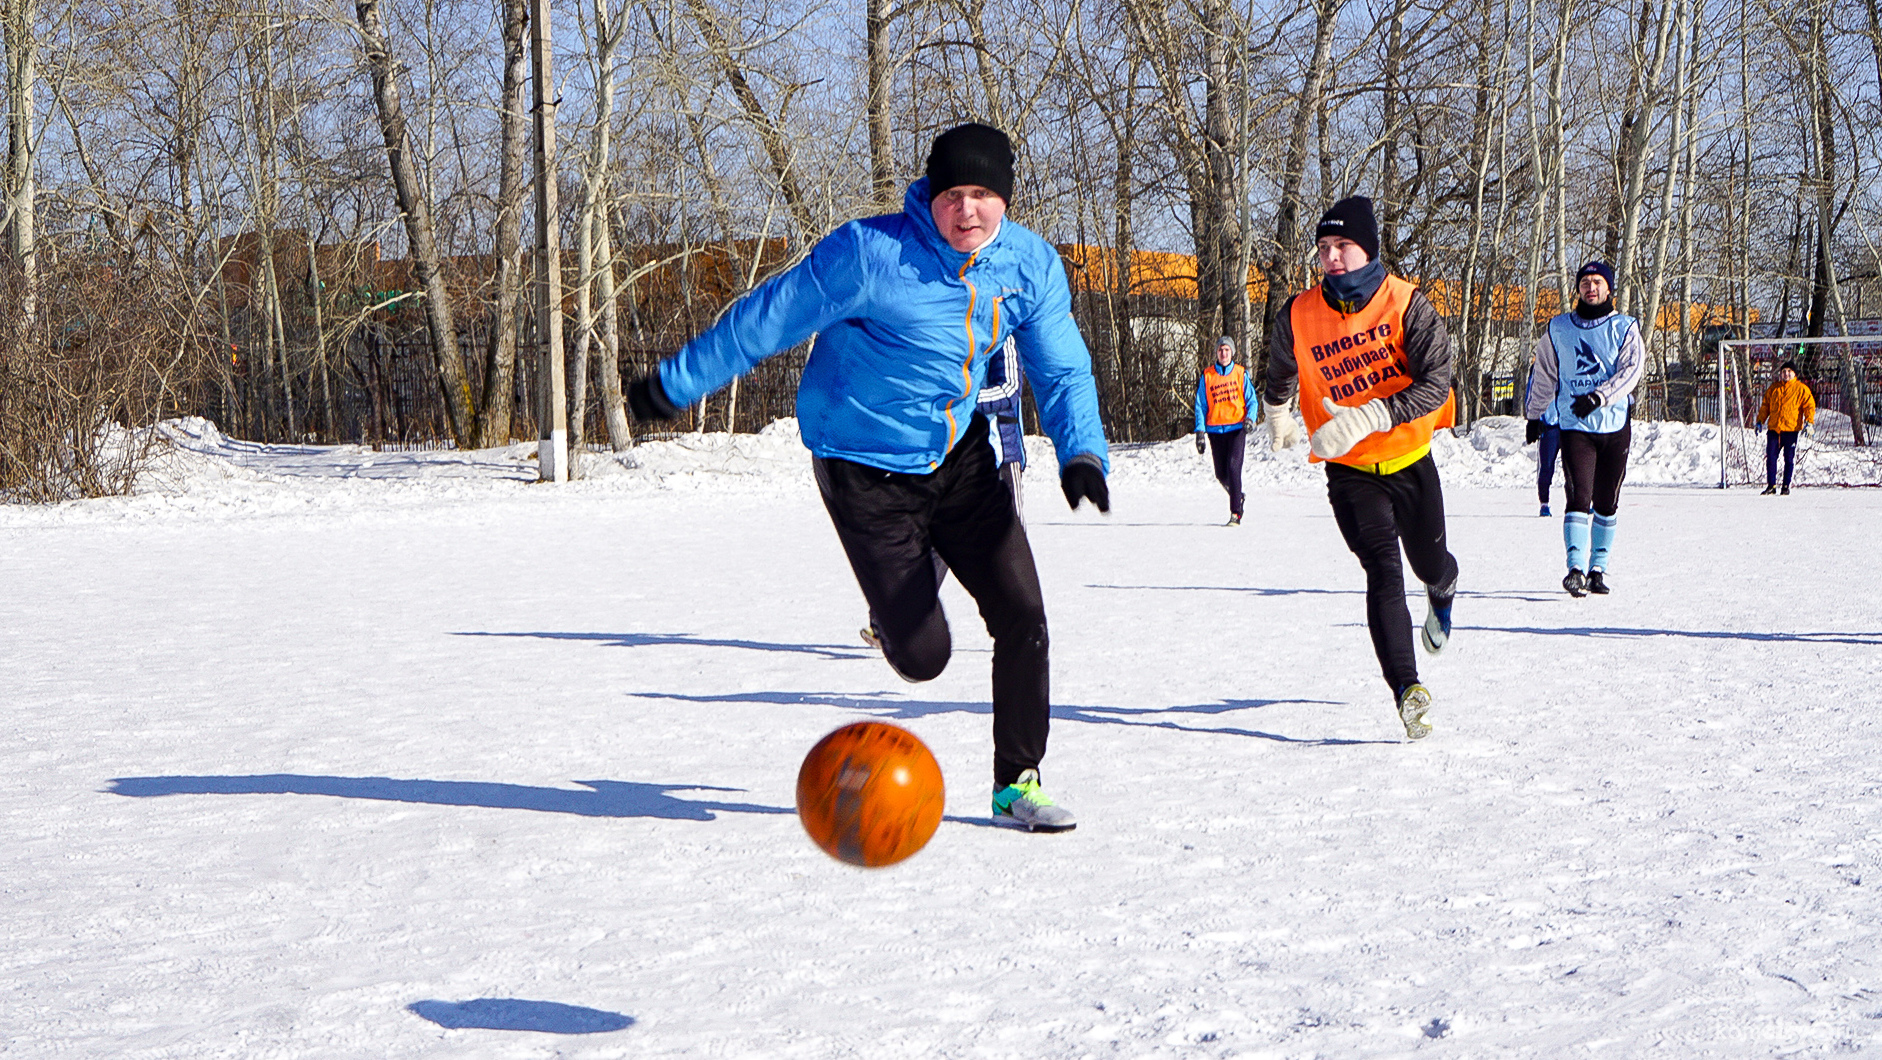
(1022, 804)
(1414, 702)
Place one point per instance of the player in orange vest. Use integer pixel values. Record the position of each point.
(1224, 394)
(1372, 361)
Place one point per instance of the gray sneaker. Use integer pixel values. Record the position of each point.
(1022, 804)
(1413, 704)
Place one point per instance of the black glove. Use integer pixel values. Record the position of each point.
(647, 399)
(1586, 404)
(1082, 478)
(1200, 444)
(1532, 433)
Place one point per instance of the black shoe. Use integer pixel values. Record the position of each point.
(1768, 490)
(1786, 491)
(1576, 582)
(1597, 582)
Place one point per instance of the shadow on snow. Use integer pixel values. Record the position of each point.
(1464, 594)
(607, 798)
(1700, 634)
(646, 640)
(513, 1014)
(890, 708)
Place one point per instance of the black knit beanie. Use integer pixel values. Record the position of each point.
(1351, 218)
(972, 154)
(1597, 268)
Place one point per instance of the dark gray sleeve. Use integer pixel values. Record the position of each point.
(1428, 354)
(1283, 373)
(1542, 381)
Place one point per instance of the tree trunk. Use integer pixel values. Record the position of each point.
(771, 134)
(22, 46)
(419, 229)
(1656, 26)
(1287, 226)
(494, 412)
(879, 74)
(613, 409)
(1389, 91)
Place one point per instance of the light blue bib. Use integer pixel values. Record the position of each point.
(1585, 354)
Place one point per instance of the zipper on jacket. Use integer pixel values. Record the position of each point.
(967, 367)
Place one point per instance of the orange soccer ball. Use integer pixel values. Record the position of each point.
(870, 793)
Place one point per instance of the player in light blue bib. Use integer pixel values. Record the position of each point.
(1586, 366)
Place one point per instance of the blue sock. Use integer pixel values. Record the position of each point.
(1575, 532)
(1600, 539)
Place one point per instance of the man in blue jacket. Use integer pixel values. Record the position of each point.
(906, 310)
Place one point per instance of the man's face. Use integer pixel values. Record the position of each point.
(1339, 255)
(1785, 375)
(1593, 288)
(1224, 354)
(967, 215)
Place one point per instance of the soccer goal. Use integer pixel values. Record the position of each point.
(1844, 373)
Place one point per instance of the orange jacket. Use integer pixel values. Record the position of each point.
(1788, 406)
(1355, 358)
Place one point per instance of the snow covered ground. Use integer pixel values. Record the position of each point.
(320, 752)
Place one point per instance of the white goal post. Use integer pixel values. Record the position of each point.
(1859, 404)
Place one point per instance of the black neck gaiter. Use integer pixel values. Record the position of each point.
(1349, 292)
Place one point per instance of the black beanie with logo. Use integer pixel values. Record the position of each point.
(1351, 218)
(972, 154)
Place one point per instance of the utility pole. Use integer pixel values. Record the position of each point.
(552, 435)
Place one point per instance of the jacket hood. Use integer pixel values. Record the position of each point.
(917, 207)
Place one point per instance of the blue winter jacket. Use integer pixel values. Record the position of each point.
(904, 325)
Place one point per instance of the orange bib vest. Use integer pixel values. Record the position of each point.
(1354, 359)
(1226, 395)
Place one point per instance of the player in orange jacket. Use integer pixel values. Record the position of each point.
(1788, 408)
(1372, 361)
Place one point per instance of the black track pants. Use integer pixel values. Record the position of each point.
(894, 525)
(1593, 468)
(1227, 448)
(1376, 513)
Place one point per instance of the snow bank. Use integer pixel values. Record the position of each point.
(196, 468)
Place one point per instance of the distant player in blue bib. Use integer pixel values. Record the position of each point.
(1587, 364)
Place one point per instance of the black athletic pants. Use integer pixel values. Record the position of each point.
(1376, 514)
(1773, 442)
(1226, 448)
(894, 524)
(1593, 467)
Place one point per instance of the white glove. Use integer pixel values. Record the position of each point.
(1348, 427)
(1281, 427)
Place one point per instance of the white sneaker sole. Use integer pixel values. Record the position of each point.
(1007, 820)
